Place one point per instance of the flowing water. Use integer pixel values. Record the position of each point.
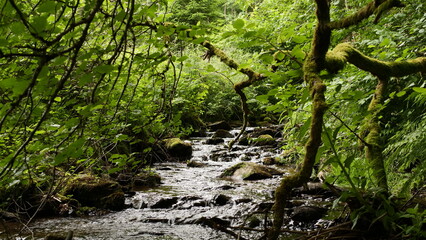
(179, 207)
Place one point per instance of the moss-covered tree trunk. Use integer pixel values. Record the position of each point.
(314, 63)
(374, 148)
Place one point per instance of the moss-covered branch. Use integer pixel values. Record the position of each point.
(346, 53)
(374, 7)
(238, 87)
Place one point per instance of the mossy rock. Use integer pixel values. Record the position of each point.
(269, 161)
(222, 133)
(250, 171)
(263, 140)
(195, 164)
(147, 179)
(178, 148)
(94, 192)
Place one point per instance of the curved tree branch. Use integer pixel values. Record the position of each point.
(374, 7)
(346, 53)
(238, 87)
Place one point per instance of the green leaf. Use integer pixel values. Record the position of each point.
(183, 58)
(250, 34)
(401, 93)
(210, 68)
(280, 56)
(262, 98)
(3, 42)
(114, 170)
(18, 28)
(58, 99)
(104, 69)
(48, 7)
(385, 42)
(267, 58)
(419, 90)
(73, 150)
(120, 16)
(349, 160)
(298, 53)
(304, 128)
(198, 40)
(39, 23)
(227, 34)
(299, 39)
(238, 24)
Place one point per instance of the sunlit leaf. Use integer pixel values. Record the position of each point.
(238, 24)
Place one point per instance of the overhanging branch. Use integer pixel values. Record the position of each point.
(344, 52)
(238, 87)
(374, 7)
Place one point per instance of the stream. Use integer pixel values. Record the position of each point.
(182, 206)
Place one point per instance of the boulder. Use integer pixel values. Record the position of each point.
(220, 200)
(222, 133)
(219, 125)
(165, 202)
(244, 140)
(195, 164)
(214, 141)
(178, 148)
(269, 161)
(250, 171)
(308, 213)
(263, 140)
(146, 179)
(95, 192)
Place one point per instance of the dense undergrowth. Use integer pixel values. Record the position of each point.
(93, 86)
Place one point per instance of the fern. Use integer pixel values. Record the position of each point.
(406, 151)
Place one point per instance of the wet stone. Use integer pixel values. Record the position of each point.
(220, 200)
(225, 187)
(243, 200)
(212, 221)
(221, 133)
(269, 161)
(165, 203)
(307, 213)
(254, 222)
(250, 171)
(200, 203)
(195, 164)
(146, 180)
(264, 206)
(214, 141)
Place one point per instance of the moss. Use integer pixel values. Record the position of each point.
(250, 171)
(95, 192)
(229, 171)
(344, 52)
(178, 148)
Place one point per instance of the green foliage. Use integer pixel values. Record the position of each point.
(192, 12)
(94, 85)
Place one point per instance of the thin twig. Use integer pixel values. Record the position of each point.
(350, 129)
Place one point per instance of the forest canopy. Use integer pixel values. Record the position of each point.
(95, 85)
